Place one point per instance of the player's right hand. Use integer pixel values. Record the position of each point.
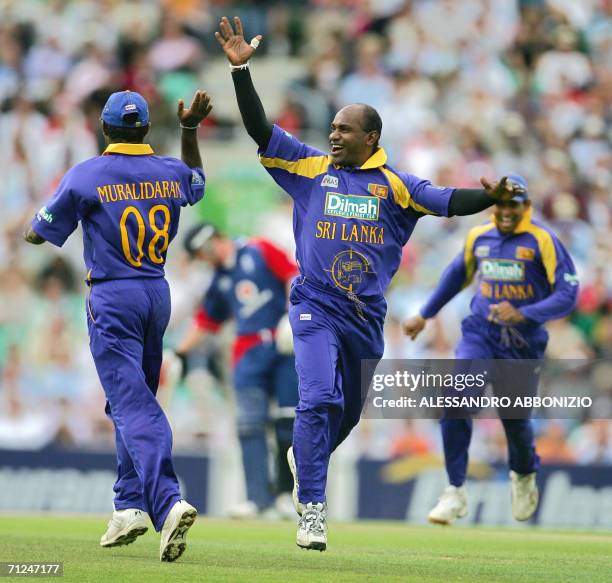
(503, 189)
(237, 50)
(414, 326)
(198, 110)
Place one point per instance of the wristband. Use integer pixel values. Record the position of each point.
(188, 127)
(239, 67)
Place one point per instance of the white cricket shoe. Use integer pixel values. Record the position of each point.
(299, 507)
(451, 505)
(525, 495)
(179, 520)
(125, 527)
(312, 527)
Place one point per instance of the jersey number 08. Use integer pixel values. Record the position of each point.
(159, 234)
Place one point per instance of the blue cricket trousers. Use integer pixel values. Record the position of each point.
(331, 334)
(127, 320)
(484, 340)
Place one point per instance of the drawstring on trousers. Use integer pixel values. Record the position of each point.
(512, 337)
(359, 304)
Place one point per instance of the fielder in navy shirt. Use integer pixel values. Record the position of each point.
(250, 286)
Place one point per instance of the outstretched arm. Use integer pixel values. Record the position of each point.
(469, 201)
(453, 280)
(238, 52)
(189, 120)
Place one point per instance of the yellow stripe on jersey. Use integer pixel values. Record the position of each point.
(469, 259)
(548, 253)
(400, 193)
(544, 239)
(307, 167)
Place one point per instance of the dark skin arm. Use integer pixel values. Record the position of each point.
(31, 237)
(238, 52)
(198, 110)
(469, 201)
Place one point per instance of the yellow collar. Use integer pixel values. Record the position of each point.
(523, 223)
(377, 159)
(129, 149)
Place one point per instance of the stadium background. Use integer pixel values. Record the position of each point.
(470, 88)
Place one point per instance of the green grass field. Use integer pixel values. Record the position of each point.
(220, 550)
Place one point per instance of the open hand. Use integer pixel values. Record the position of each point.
(505, 312)
(502, 190)
(237, 50)
(414, 326)
(198, 110)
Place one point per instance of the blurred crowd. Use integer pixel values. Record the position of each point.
(465, 89)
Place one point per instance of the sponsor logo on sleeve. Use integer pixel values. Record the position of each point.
(526, 253)
(351, 206)
(306, 317)
(571, 278)
(196, 178)
(331, 181)
(378, 190)
(44, 215)
(502, 270)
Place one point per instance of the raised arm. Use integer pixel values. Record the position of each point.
(189, 120)
(238, 53)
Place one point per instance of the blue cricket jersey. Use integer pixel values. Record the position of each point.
(350, 224)
(530, 268)
(252, 291)
(128, 201)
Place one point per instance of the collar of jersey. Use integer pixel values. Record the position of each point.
(376, 160)
(129, 149)
(523, 223)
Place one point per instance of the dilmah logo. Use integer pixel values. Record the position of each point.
(330, 181)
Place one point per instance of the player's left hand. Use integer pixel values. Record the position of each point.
(501, 190)
(505, 312)
(198, 110)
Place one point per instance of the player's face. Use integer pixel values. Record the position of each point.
(350, 144)
(508, 215)
(210, 253)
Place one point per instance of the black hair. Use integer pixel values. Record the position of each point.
(126, 135)
(191, 244)
(371, 121)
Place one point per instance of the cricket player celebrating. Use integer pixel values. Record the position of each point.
(250, 285)
(353, 213)
(525, 278)
(128, 202)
